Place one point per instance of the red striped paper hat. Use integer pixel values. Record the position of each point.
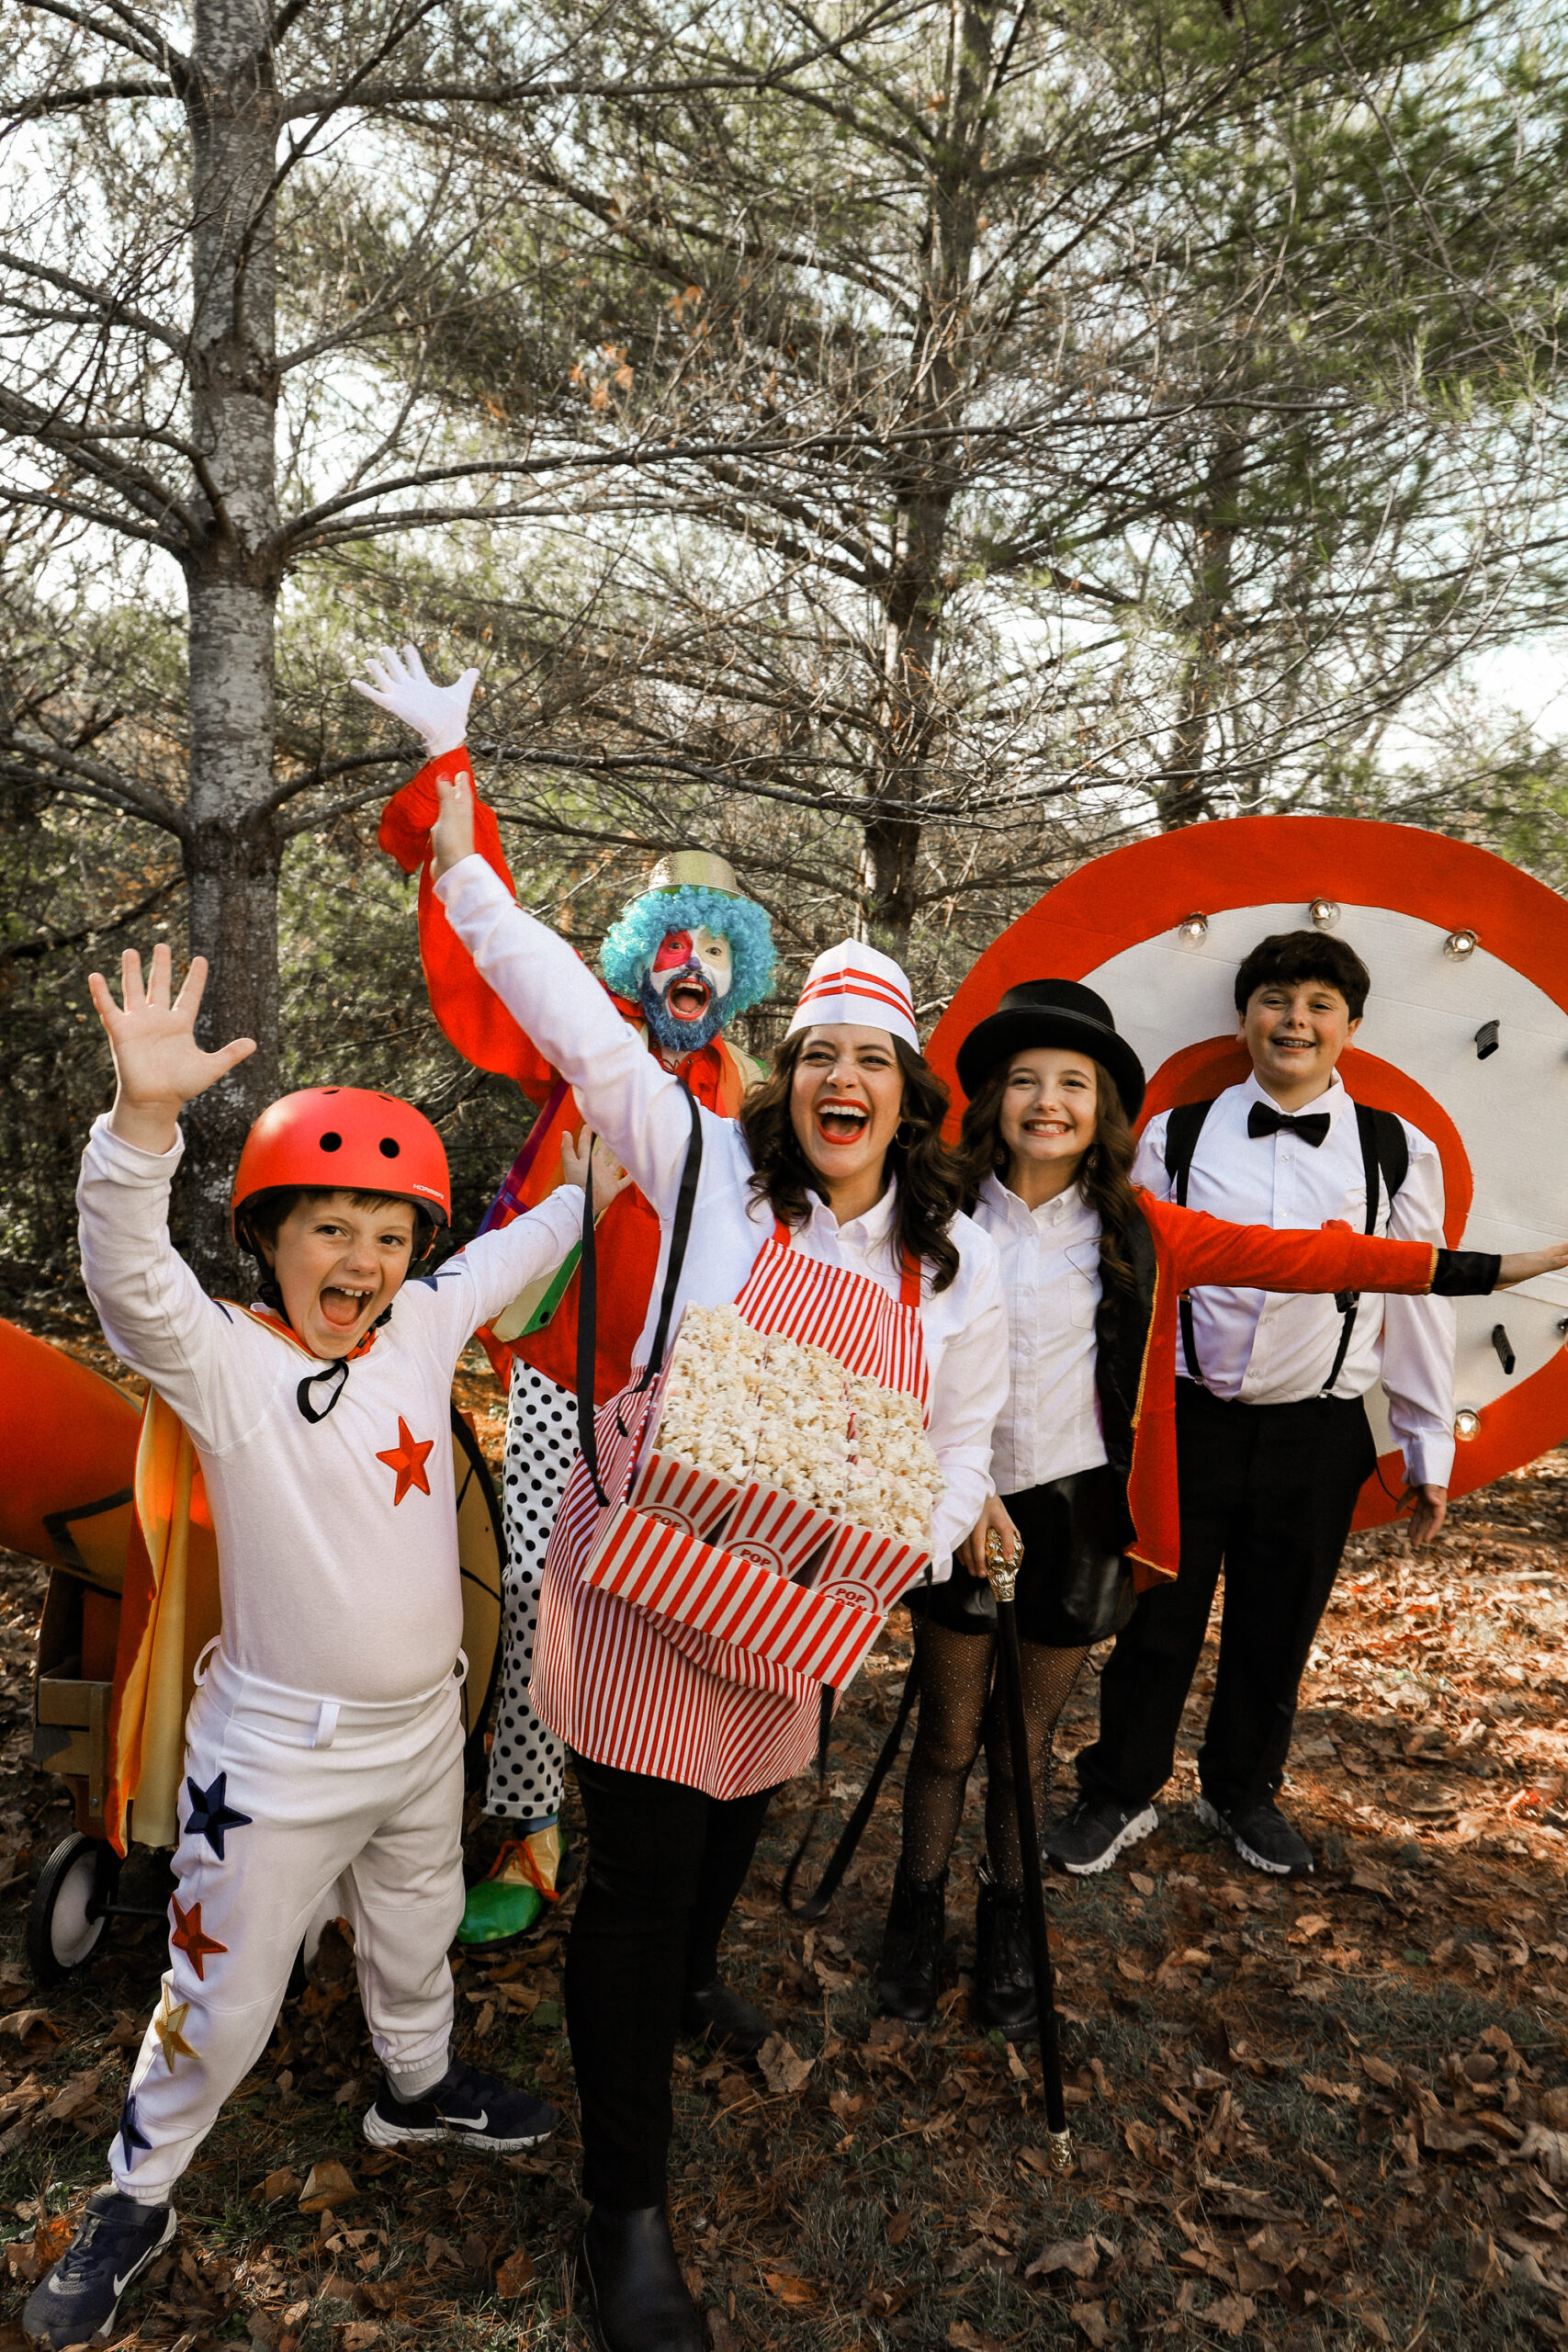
(860, 986)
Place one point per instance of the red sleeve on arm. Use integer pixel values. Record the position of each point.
(471, 1015)
(1203, 1249)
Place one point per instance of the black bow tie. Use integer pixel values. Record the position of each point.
(1263, 1120)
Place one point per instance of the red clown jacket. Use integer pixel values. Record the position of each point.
(473, 1017)
(1171, 1250)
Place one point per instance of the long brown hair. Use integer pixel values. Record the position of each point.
(1103, 1171)
(931, 1192)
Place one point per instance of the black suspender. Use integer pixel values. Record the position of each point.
(1182, 1130)
(1385, 1157)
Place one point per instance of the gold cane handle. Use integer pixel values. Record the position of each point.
(1003, 1580)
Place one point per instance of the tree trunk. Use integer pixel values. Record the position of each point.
(1184, 795)
(233, 849)
(916, 591)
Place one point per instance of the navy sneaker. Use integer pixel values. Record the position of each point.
(77, 2301)
(1261, 1836)
(465, 2104)
(1098, 1829)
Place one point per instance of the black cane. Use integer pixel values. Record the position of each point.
(1004, 1584)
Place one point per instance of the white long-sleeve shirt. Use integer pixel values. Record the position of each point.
(1050, 1260)
(338, 1568)
(1266, 1348)
(640, 1110)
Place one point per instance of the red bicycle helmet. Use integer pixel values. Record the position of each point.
(344, 1138)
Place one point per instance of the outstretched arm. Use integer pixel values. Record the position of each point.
(628, 1097)
(158, 1066)
(1203, 1249)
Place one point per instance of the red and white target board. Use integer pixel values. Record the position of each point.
(1465, 1035)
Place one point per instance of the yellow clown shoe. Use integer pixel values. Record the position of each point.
(520, 1881)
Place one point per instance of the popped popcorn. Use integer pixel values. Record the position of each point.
(792, 1417)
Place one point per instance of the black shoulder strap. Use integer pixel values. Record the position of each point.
(588, 1294)
(1182, 1129)
(1385, 1157)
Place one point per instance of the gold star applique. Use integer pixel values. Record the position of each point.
(168, 2021)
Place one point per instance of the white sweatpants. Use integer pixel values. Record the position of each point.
(526, 1761)
(287, 1797)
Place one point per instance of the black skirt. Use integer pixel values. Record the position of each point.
(1073, 1587)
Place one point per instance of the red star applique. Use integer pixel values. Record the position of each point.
(188, 1937)
(407, 1458)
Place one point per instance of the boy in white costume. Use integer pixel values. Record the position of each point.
(323, 1749)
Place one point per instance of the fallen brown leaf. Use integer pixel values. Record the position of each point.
(1092, 2318)
(327, 2183)
(784, 2069)
(514, 2274)
(1079, 2256)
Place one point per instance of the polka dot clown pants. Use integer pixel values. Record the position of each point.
(526, 1761)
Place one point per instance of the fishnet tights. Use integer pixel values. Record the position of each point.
(962, 1706)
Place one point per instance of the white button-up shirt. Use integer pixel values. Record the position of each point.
(640, 1109)
(1050, 1259)
(1269, 1349)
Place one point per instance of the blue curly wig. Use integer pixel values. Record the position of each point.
(631, 944)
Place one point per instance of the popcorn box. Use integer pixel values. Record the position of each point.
(857, 1561)
(777, 1529)
(820, 1635)
(684, 1495)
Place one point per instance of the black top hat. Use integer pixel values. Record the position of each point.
(1052, 1013)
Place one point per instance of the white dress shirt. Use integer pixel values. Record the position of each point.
(640, 1110)
(1265, 1348)
(1050, 1260)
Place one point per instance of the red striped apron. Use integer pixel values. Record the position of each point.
(628, 1689)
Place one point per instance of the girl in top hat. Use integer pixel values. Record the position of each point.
(829, 1204)
(1084, 1459)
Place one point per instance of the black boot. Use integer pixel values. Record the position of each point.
(635, 2295)
(730, 2023)
(1004, 1966)
(911, 1966)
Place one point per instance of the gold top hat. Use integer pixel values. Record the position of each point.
(694, 870)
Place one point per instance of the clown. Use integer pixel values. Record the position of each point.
(686, 955)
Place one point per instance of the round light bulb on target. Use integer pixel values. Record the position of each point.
(1460, 946)
(1192, 928)
(1467, 1421)
(1325, 913)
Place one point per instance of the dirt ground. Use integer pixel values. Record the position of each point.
(1322, 2114)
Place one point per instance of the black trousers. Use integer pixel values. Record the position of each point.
(665, 1864)
(1268, 1492)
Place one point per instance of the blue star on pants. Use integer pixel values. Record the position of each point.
(210, 1815)
(131, 2135)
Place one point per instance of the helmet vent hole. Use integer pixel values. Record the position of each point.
(332, 1141)
(389, 1146)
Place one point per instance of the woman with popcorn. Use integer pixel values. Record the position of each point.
(1084, 1459)
(829, 1213)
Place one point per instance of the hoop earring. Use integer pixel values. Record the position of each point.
(902, 1139)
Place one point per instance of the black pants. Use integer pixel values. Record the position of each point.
(665, 1864)
(1268, 1492)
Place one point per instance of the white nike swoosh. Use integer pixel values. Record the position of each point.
(467, 2122)
(121, 2284)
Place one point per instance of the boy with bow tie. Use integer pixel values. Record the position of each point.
(1273, 1439)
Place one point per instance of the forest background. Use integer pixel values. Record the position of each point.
(910, 448)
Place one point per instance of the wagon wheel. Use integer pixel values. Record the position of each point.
(67, 1918)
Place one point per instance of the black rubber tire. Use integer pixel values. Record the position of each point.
(61, 1877)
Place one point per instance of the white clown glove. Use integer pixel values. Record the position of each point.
(401, 687)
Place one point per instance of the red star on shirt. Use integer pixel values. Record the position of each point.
(188, 1937)
(407, 1458)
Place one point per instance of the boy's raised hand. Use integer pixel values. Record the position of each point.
(400, 686)
(158, 1064)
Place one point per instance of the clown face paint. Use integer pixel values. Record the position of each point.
(682, 995)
